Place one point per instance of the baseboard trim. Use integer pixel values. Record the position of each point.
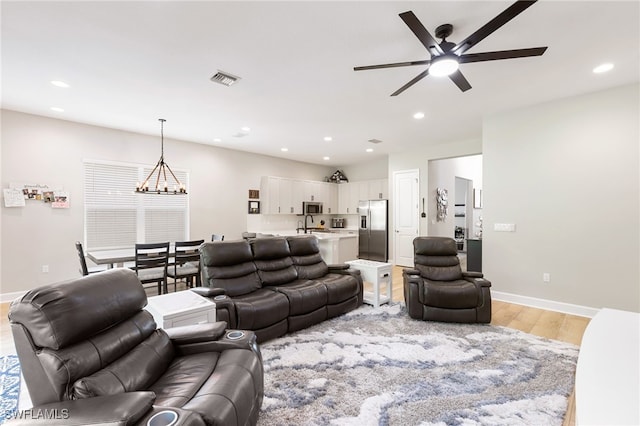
(549, 305)
(9, 297)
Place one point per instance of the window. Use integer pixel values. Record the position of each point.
(115, 216)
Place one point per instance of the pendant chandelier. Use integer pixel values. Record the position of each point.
(159, 172)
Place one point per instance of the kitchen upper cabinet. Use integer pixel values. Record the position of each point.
(277, 195)
(330, 197)
(313, 191)
(378, 189)
(348, 197)
(285, 196)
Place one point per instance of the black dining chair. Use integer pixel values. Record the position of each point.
(217, 237)
(151, 264)
(187, 262)
(84, 270)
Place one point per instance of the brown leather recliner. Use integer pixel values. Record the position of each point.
(89, 347)
(438, 290)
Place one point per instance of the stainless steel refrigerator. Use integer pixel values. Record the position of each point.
(374, 238)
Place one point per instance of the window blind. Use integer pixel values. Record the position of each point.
(115, 216)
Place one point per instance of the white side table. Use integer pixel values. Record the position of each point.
(181, 308)
(378, 274)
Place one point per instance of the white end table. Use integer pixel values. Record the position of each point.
(181, 308)
(378, 274)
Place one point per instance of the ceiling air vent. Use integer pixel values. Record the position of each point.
(224, 78)
(374, 141)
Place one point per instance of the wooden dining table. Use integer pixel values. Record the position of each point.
(113, 257)
(116, 258)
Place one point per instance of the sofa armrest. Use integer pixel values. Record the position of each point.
(410, 271)
(196, 333)
(120, 409)
(338, 266)
(209, 291)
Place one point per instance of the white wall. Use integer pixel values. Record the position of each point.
(443, 173)
(43, 150)
(376, 168)
(566, 173)
(419, 159)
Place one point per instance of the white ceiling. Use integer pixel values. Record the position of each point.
(130, 63)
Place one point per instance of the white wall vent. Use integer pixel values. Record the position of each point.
(224, 78)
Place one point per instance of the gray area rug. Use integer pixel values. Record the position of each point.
(380, 367)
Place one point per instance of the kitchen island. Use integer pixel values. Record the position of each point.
(335, 246)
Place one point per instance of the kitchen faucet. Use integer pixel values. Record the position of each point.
(305, 222)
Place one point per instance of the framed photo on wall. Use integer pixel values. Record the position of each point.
(254, 207)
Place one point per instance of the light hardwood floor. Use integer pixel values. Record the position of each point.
(552, 325)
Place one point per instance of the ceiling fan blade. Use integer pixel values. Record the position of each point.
(497, 22)
(460, 81)
(397, 64)
(419, 77)
(421, 32)
(502, 54)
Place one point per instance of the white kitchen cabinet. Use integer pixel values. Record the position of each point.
(349, 195)
(330, 201)
(378, 189)
(276, 195)
(285, 196)
(299, 195)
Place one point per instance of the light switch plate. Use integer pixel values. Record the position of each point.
(504, 227)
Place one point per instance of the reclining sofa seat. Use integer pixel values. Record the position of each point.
(88, 345)
(344, 294)
(437, 289)
(229, 270)
(276, 285)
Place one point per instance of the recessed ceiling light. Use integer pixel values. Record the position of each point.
(57, 109)
(246, 129)
(59, 83)
(217, 140)
(369, 149)
(326, 158)
(603, 68)
(418, 115)
(328, 138)
(284, 149)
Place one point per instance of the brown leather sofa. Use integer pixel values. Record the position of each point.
(438, 290)
(276, 285)
(87, 348)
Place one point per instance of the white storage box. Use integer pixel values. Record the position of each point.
(181, 308)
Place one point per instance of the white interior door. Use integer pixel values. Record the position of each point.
(405, 215)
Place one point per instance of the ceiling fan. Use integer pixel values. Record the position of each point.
(447, 56)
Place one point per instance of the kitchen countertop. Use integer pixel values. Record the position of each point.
(321, 235)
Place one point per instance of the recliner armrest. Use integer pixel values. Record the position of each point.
(120, 409)
(410, 271)
(196, 333)
(472, 274)
(209, 291)
(480, 282)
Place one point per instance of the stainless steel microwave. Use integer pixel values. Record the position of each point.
(310, 207)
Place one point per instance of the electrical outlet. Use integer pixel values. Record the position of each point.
(45, 269)
(546, 277)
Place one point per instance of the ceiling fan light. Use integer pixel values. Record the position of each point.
(443, 66)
